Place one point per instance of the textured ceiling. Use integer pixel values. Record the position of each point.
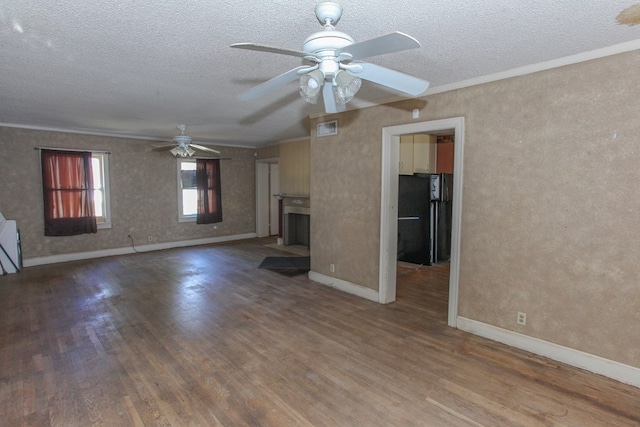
(139, 68)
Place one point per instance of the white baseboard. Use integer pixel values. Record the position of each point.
(53, 259)
(345, 286)
(596, 364)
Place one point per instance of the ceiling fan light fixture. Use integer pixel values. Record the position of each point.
(181, 151)
(311, 85)
(345, 86)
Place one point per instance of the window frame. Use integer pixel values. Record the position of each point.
(104, 221)
(181, 216)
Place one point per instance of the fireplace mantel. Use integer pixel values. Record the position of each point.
(295, 200)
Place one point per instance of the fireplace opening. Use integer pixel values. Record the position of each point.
(296, 220)
(296, 229)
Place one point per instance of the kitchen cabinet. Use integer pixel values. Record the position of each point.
(417, 154)
(406, 155)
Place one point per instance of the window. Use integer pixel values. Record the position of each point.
(75, 190)
(208, 186)
(100, 169)
(187, 190)
(201, 205)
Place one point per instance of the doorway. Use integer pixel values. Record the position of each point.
(425, 198)
(267, 209)
(389, 207)
(424, 221)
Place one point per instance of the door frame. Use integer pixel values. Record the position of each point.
(389, 207)
(263, 198)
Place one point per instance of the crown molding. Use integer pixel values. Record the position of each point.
(541, 66)
(118, 135)
(503, 75)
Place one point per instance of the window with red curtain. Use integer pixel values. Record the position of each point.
(208, 186)
(67, 185)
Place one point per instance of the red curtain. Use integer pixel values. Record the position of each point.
(68, 193)
(208, 185)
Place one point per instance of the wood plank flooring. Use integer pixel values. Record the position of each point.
(201, 337)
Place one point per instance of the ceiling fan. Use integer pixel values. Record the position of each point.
(182, 145)
(337, 70)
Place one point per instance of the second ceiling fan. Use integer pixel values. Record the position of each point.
(337, 69)
(183, 146)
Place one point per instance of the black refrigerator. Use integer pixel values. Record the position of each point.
(424, 218)
(413, 219)
(440, 212)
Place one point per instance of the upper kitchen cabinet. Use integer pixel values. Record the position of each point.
(417, 154)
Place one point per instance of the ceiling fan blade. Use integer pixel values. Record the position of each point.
(270, 49)
(272, 84)
(203, 148)
(393, 42)
(329, 98)
(393, 79)
(166, 147)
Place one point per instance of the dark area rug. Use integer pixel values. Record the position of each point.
(286, 263)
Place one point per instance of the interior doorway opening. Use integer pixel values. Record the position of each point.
(389, 207)
(268, 216)
(425, 195)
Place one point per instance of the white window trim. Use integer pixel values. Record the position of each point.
(181, 217)
(106, 192)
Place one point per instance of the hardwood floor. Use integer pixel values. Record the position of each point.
(201, 336)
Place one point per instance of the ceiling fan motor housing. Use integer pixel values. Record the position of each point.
(323, 45)
(326, 40)
(182, 140)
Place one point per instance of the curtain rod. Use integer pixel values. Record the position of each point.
(71, 149)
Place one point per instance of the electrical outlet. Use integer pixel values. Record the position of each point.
(522, 318)
(332, 268)
(149, 238)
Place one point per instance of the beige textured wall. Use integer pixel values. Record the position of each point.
(345, 197)
(550, 211)
(143, 193)
(294, 167)
(268, 152)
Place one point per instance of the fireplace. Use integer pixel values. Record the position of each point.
(296, 220)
